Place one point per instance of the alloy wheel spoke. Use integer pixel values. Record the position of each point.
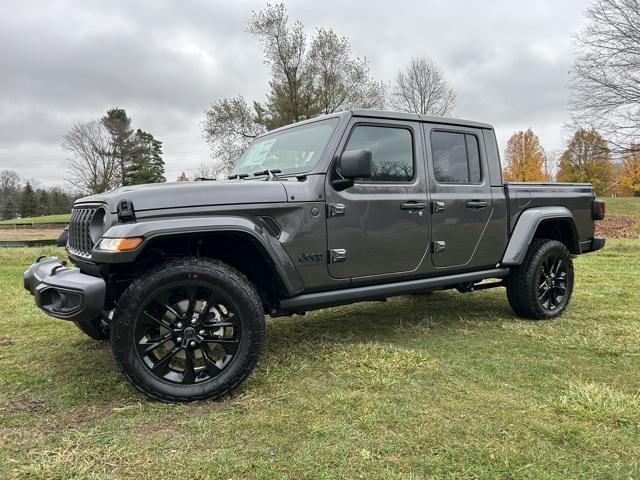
(210, 365)
(191, 295)
(230, 345)
(189, 374)
(152, 345)
(219, 325)
(166, 359)
(171, 310)
(158, 321)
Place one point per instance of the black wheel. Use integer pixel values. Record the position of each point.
(541, 287)
(97, 329)
(190, 329)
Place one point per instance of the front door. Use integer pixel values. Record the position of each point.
(381, 224)
(461, 202)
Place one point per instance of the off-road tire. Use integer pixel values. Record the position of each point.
(227, 279)
(523, 283)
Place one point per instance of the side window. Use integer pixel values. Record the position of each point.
(456, 157)
(391, 149)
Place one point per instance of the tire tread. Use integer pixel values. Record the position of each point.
(126, 310)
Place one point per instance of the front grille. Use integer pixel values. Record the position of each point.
(80, 242)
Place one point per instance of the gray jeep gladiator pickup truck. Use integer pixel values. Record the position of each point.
(354, 206)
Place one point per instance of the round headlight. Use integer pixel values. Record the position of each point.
(97, 225)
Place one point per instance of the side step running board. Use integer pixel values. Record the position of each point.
(310, 301)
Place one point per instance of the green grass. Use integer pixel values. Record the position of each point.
(623, 206)
(62, 217)
(440, 386)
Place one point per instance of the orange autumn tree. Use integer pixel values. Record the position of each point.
(629, 176)
(587, 159)
(524, 158)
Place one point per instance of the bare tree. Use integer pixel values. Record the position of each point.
(212, 170)
(422, 88)
(339, 80)
(284, 48)
(9, 183)
(93, 166)
(605, 83)
(229, 126)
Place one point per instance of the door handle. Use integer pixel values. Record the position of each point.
(477, 204)
(413, 206)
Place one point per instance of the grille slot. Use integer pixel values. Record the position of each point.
(80, 242)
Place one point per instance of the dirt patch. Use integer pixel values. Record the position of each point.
(5, 342)
(30, 233)
(618, 226)
(96, 346)
(23, 402)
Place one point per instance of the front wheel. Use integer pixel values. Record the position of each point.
(190, 329)
(541, 287)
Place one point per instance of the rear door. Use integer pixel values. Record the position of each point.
(461, 202)
(381, 224)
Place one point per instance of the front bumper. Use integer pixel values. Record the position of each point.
(64, 292)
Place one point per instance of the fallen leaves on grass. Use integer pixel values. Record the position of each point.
(618, 226)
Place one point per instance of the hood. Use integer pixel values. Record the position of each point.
(191, 194)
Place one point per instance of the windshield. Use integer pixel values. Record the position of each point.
(294, 150)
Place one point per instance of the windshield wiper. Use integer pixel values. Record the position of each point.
(271, 173)
(238, 175)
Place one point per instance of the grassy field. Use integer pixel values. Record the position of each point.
(623, 206)
(439, 386)
(29, 233)
(62, 217)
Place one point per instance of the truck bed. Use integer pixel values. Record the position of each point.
(576, 197)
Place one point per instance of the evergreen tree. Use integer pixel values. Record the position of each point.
(44, 207)
(10, 209)
(28, 202)
(59, 201)
(146, 164)
(118, 124)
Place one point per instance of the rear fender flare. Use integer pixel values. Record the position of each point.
(526, 227)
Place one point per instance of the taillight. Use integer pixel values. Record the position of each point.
(597, 210)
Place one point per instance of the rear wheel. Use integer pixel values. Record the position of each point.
(541, 287)
(190, 329)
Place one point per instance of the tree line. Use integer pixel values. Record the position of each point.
(314, 73)
(587, 158)
(21, 199)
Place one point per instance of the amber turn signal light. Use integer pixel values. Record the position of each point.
(119, 244)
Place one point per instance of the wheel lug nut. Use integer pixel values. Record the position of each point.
(179, 339)
(179, 325)
(201, 332)
(193, 344)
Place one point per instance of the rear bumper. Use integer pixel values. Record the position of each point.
(592, 245)
(64, 292)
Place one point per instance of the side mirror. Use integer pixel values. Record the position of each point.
(355, 164)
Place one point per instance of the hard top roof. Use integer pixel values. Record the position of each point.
(419, 118)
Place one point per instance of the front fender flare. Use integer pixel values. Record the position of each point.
(526, 227)
(154, 229)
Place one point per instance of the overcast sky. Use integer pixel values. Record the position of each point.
(164, 62)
